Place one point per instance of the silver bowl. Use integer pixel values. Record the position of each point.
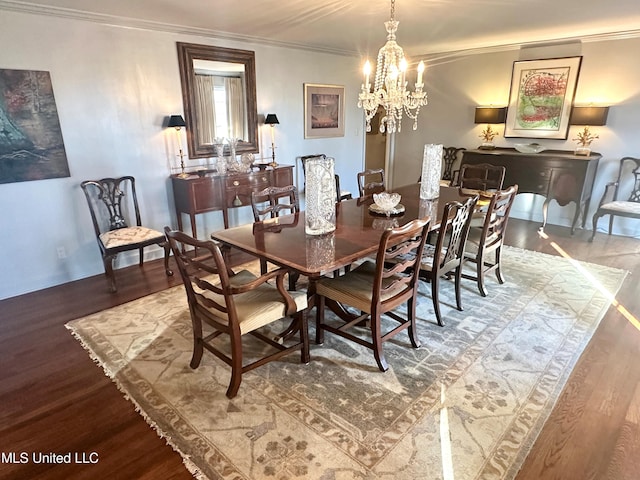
(529, 148)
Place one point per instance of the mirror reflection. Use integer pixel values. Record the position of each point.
(218, 89)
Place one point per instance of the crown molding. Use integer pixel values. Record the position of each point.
(125, 22)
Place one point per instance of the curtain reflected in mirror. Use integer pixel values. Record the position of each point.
(218, 87)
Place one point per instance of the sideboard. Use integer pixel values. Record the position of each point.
(555, 174)
(211, 191)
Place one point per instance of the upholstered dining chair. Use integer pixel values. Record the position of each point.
(234, 304)
(111, 201)
(483, 176)
(485, 240)
(376, 288)
(445, 257)
(371, 181)
(611, 204)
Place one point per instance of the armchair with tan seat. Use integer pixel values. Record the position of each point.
(235, 304)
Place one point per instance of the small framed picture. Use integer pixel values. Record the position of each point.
(323, 111)
(542, 93)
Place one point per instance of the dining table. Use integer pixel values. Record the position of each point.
(282, 240)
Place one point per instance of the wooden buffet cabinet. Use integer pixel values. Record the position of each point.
(556, 174)
(200, 194)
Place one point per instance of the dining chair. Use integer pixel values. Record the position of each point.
(611, 205)
(450, 157)
(269, 203)
(445, 257)
(341, 194)
(489, 238)
(371, 181)
(235, 304)
(376, 288)
(110, 201)
(483, 176)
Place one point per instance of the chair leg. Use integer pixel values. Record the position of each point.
(167, 254)
(480, 273)
(499, 275)
(434, 296)
(236, 367)
(458, 280)
(108, 270)
(141, 256)
(611, 224)
(376, 340)
(198, 349)
(413, 331)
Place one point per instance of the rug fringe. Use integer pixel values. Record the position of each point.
(190, 466)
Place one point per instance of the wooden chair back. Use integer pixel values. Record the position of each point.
(483, 176)
(371, 181)
(270, 201)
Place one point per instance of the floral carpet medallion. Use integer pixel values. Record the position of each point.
(468, 404)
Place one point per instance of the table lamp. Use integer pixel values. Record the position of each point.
(588, 117)
(177, 122)
(489, 115)
(272, 120)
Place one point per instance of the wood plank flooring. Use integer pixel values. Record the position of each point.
(53, 398)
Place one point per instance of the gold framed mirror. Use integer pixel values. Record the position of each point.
(219, 97)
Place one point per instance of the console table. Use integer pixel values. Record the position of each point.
(211, 192)
(555, 174)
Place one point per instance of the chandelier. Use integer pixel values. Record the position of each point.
(390, 86)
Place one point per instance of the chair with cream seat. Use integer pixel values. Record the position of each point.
(610, 203)
(487, 239)
(234, 304)
(376, 288)
(483, 177)
(445, 257)
(110, 201)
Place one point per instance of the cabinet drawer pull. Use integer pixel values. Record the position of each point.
(264, 179)
(236, 183)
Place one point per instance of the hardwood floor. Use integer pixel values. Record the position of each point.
(55, 399)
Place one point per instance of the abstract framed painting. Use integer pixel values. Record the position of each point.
(323, 111)
(31, 144)
(542, 93)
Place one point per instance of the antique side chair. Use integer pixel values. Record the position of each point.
(110, 201)
(610, 204)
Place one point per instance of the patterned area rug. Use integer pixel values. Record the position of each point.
(467, 405)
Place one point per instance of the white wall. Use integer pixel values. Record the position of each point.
(113, 88)
(457, 84)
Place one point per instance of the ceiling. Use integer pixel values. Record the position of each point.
(356, 27)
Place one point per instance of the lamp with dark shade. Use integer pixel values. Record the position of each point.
(272, 120)
(489, 115)
(589, 117)
(177, 122)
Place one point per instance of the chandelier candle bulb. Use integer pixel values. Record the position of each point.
(420, 71)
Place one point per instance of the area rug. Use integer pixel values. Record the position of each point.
(466, 405)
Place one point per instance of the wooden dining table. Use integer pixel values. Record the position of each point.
(282, 241)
